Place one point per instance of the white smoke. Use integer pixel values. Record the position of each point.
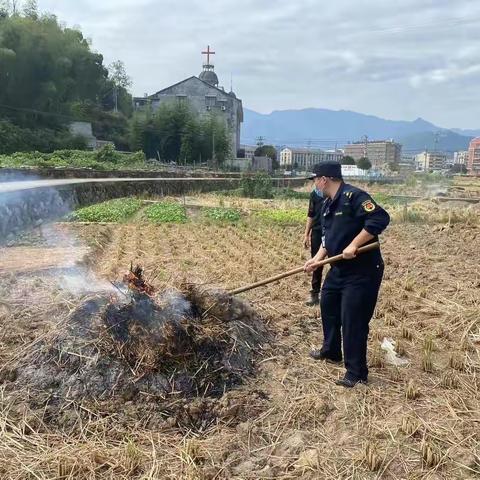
(40, 248)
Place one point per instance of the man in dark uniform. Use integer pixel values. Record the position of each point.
(350, 219)
(313, 239)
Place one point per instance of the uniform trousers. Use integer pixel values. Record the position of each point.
(347, 304)
(315, 244)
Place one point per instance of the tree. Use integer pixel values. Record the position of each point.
(394, 167)
(30, 9)
(121, 81)
(176, 134)
(14, 7)
(4, 8)
(364, 164)
(266, 151)
(49, 76)
(348, 160)
(118, 74)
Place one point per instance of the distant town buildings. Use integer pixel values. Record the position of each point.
(249, 150)
(305, 159)
(431, 161)
(473, 163)
(379, 152)
(460, 158)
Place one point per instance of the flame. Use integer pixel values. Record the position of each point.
(136, 283)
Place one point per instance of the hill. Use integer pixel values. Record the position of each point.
(324, 128)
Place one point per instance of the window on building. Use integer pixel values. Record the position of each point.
(210, 100)
(181, 99)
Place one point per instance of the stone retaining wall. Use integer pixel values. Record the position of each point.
(15, 174)
(20, 210)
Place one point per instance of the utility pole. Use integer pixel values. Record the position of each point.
(365, 146)
(435, 141)
(260, 141)
(213, 146)
(115, 98)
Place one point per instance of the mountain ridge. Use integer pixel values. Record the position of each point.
(325, 128)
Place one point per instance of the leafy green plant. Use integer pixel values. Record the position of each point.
(165, 212)
(285, 217)
(384, 199)
(259, 186)
(104, 159)
(222, 214)
(112, 211)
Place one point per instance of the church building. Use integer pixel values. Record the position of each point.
(203, 95)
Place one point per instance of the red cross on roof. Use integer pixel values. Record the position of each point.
(208, 53)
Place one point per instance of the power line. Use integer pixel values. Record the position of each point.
(39, 112)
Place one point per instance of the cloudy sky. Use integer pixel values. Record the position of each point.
(398, 59)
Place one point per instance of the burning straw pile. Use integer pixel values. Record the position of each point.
(140, 344)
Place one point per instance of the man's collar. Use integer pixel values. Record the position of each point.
(339, 192)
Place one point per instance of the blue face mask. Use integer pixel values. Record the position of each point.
(318, 192)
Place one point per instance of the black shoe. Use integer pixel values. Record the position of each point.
(347, 383)
(319, 355)
(314, 300)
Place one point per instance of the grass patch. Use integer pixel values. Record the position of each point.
(231, 215)
(235, 192)
(116, 210)
(289, 193)
(165, 212)
(382, 198)
(284, 217)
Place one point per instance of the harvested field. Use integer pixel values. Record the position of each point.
(285, 418)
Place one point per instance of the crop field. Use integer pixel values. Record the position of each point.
(419, 417)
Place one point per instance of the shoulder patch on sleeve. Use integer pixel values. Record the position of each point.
(368, 206)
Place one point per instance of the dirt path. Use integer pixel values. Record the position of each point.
(31, 259)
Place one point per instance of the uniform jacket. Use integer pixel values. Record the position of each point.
(315, 211)
(344, 217)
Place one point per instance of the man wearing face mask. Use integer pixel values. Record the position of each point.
(350, 218)
(313, 240)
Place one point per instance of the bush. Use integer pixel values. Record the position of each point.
(259, 186)
(17, 139)
(112, 211)
(105, 159)
(165, 212)
(285, 217)
(222, 214)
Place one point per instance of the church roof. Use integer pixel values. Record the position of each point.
(189, 78)
(209, 76)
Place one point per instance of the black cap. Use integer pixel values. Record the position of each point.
(326, 169)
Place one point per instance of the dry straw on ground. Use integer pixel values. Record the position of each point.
(288, 421)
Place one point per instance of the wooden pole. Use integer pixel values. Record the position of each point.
(327, 261)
